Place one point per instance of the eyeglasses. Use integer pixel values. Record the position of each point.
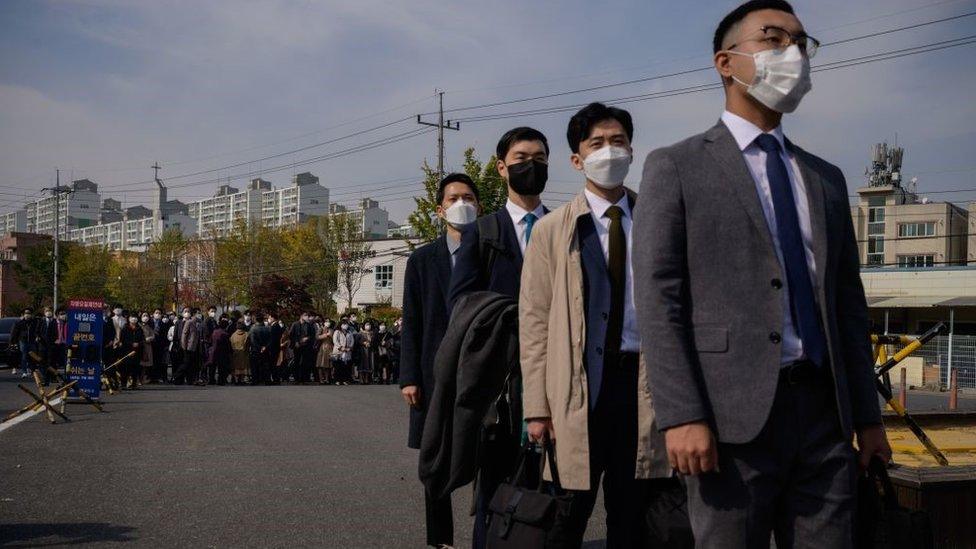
(780, 39)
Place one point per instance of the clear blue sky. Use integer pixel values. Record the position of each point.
(102, 88)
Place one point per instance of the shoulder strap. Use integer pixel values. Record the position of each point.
(489, 233)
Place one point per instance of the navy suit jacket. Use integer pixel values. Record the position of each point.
(596, 302)
(506, 271)
(425, 320)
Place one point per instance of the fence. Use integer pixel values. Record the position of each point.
(935, 353)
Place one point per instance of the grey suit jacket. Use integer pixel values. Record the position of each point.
(708, 289)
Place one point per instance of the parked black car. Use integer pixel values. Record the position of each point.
(9, 357)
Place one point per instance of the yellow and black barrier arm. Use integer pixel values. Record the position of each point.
(911, 346)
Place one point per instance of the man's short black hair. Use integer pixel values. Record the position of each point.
(513, 136)
(581, 124)
(740, 13)
(456, 178)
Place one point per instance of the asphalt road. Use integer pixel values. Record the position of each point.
(229, 467)
(184, 466)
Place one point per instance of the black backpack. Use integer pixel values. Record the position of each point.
(489, 233)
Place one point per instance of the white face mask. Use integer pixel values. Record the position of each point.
(118, 312)
(213, 314)
(382, 329)
(608, 166)
(782, 78)
(132, 320)
(460, 214)
(345, 326)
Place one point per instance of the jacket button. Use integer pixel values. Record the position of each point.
(599, 351)
(775, 337)
(776, 283)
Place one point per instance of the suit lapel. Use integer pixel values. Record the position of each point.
(818, 212)
(442, 266)
(724, 150)
(509, 237)
(591, 251)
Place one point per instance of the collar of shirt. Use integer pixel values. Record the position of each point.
(600, 205)
(745, 132)
(452, 245)
(518, 212)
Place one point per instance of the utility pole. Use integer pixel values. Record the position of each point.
(57, 190)
(441, 125)
(176, 282)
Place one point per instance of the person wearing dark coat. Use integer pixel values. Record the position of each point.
(302, 338)
(425, 320)
(261, 343)
(133, 340)
(160, 328)
(274, 351)
(25, 337)
(220, 351)
(491, 255)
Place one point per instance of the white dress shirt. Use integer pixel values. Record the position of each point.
(630, 337)
(745, 134)
(452, 248)
(518, 218)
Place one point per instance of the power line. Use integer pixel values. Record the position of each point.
(688, 71)
(270, 157)
(856, 61)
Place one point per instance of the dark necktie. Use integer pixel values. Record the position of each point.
(617, 265)
(530, 219)
(802, 299)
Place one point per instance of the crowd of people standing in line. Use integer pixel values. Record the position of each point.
(207, 348)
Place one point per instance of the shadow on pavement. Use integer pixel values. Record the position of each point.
(66, 533)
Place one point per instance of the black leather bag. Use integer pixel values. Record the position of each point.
(881, 522)
(668, 524)
(536, 517)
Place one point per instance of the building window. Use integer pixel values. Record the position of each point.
(875, 251)
(916, 261)
(910, 230)
(384, 277)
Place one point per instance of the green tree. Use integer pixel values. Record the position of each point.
(241, 258)
(34, 272)
(87, 273)
(491, 187)
(308, 252)
(352, 254)
(138, 282)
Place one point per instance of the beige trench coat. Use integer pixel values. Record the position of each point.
(552, 329)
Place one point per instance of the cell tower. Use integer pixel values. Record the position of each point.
(885, 168)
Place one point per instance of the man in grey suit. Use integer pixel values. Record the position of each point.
(750, 297)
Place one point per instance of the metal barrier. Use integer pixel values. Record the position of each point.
(961, 358)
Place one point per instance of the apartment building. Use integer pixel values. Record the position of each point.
(79, 208)
(373, 220)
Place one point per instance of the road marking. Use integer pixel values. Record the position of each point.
(26, 415)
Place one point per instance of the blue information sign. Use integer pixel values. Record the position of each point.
(85, 346)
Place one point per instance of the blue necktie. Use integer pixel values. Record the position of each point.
(530, 219)
(802, 299)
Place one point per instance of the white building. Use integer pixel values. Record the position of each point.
(132, 234)
(219, 215)
(373, 220)
(79, 208)
(13, 222)
(260, 203)
(401, 231)
(382, 284)
(293, 205)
